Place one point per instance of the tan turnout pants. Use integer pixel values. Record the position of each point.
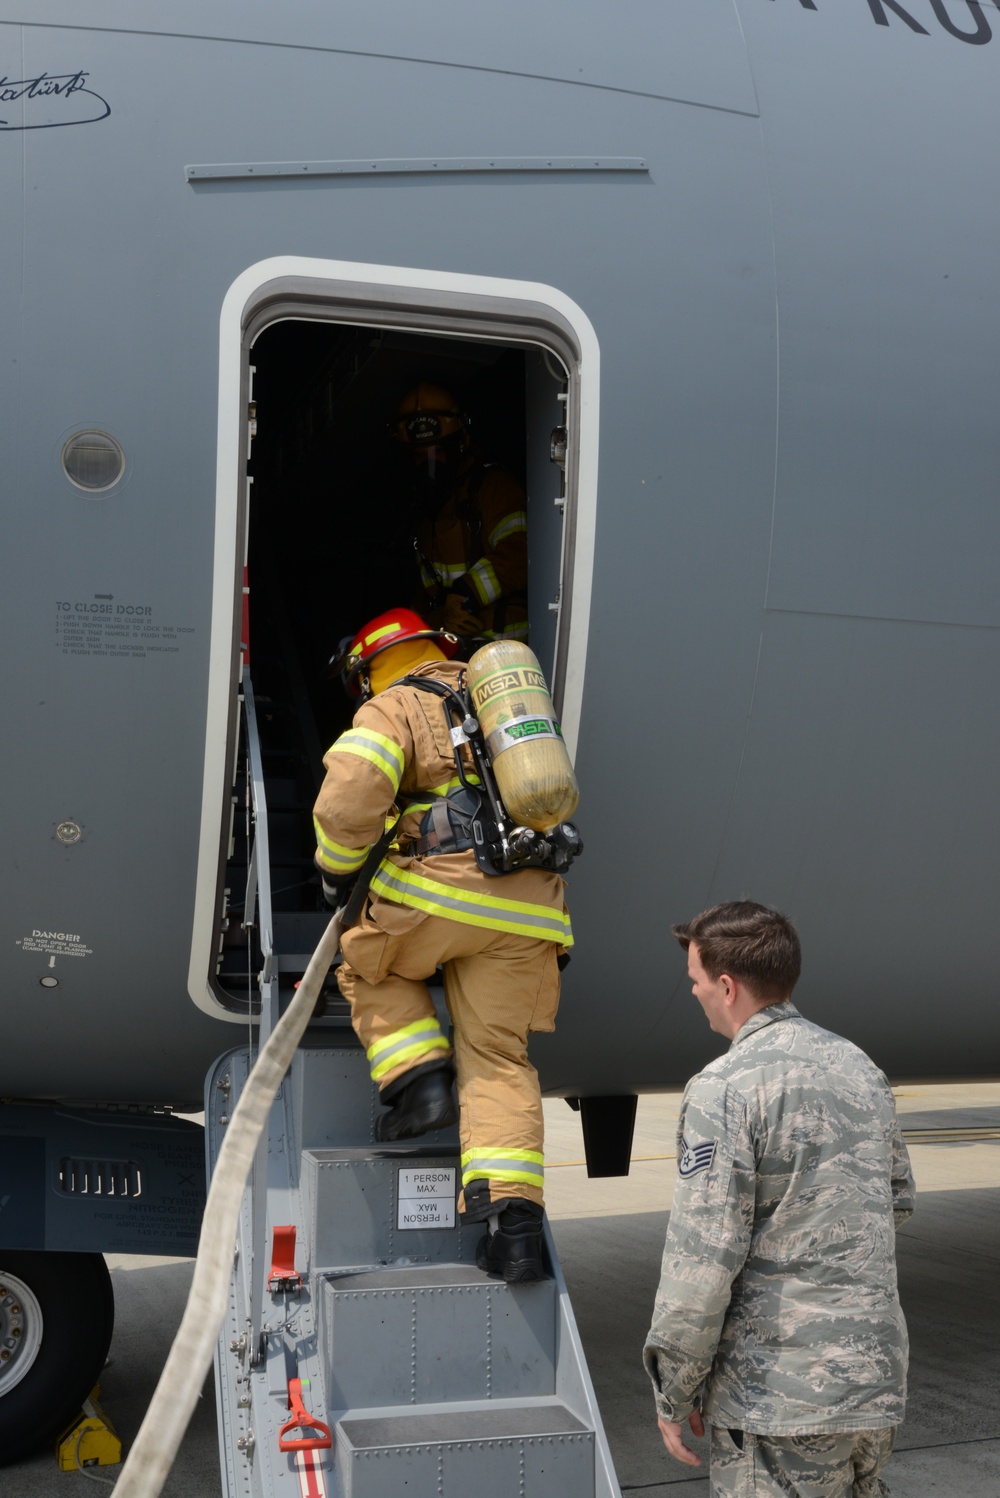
(498, 989)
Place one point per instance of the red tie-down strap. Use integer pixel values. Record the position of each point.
(283, 1276)
(312, 1483)
(302, 1420)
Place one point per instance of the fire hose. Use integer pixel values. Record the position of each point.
(190, 1357)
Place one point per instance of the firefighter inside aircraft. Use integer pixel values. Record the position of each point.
(470, 523)
(344, 477)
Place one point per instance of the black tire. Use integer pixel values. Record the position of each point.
(71, 1296)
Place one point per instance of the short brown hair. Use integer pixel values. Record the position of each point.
(757, 945)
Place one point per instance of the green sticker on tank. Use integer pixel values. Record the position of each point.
(517, 730)
(531, 727)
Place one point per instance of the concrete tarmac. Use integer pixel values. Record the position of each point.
(610, 1236)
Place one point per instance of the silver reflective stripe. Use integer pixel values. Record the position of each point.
(357, 741)
(429, 1032)
(516, 631)
(399, 885)
(492, 1165)
(447, 572)
(516, 521)
(517, 730)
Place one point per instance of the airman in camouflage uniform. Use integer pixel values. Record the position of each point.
(777, 1316)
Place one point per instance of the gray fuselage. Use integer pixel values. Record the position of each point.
(779, 221)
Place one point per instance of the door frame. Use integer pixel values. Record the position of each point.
(404, 299)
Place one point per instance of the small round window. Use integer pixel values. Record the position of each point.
(93, 461)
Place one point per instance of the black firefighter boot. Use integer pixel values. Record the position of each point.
(512, 1248)
(418, 1101)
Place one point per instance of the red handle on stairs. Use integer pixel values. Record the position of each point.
(302, 1419)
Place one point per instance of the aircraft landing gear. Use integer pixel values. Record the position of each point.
(57, 1313)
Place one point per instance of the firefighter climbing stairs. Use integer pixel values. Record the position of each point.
(364, 1355)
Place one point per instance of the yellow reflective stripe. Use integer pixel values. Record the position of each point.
(407, 887)
(425, 1026)
(384, 753)
(535, 1157)
(407, 1044)
(485, 581)
(439, 790)
(518, 1177)
(504, 1165)
(380, 634)
(334, 856)
(412, 1053)
(516, 521)
(448, 572)
(518, 631)
(452, 785)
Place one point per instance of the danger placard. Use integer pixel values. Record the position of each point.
(426, 1198)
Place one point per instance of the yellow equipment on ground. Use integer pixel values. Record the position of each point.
(523, 739)
(90, 1440)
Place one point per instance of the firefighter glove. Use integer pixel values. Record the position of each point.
(336, 892)
(457, 618)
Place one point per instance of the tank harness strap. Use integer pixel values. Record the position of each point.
(446, 827)
(483, 817)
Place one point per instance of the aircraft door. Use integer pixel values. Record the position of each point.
(545, 385)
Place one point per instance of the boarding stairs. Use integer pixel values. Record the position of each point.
(356, 1306)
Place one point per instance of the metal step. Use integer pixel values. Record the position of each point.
(435, 1380)
(528, 1450)
(433, 1334)
(299, 930)
(382, 1204)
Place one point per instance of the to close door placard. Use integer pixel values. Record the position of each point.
(426, 1198)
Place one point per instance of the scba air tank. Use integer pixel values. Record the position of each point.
(524, 741)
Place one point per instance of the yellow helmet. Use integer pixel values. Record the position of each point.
(428, 415)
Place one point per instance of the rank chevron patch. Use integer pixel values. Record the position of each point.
(695, 1157)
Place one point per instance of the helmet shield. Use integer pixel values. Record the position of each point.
(428, 416)
(391, 628)
(428, 428)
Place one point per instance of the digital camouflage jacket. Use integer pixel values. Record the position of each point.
(777, 1310)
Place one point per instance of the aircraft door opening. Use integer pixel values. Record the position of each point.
(329, 531)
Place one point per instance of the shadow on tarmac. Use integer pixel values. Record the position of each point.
(949, 1274)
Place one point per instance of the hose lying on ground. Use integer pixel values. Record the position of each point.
(190, 1357)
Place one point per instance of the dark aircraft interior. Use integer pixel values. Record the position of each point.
(330, 545)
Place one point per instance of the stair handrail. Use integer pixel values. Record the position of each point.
(259, 857)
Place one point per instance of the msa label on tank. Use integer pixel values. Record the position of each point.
(426, 1198)
(507, 681)
(516, 730)
(55, 944)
